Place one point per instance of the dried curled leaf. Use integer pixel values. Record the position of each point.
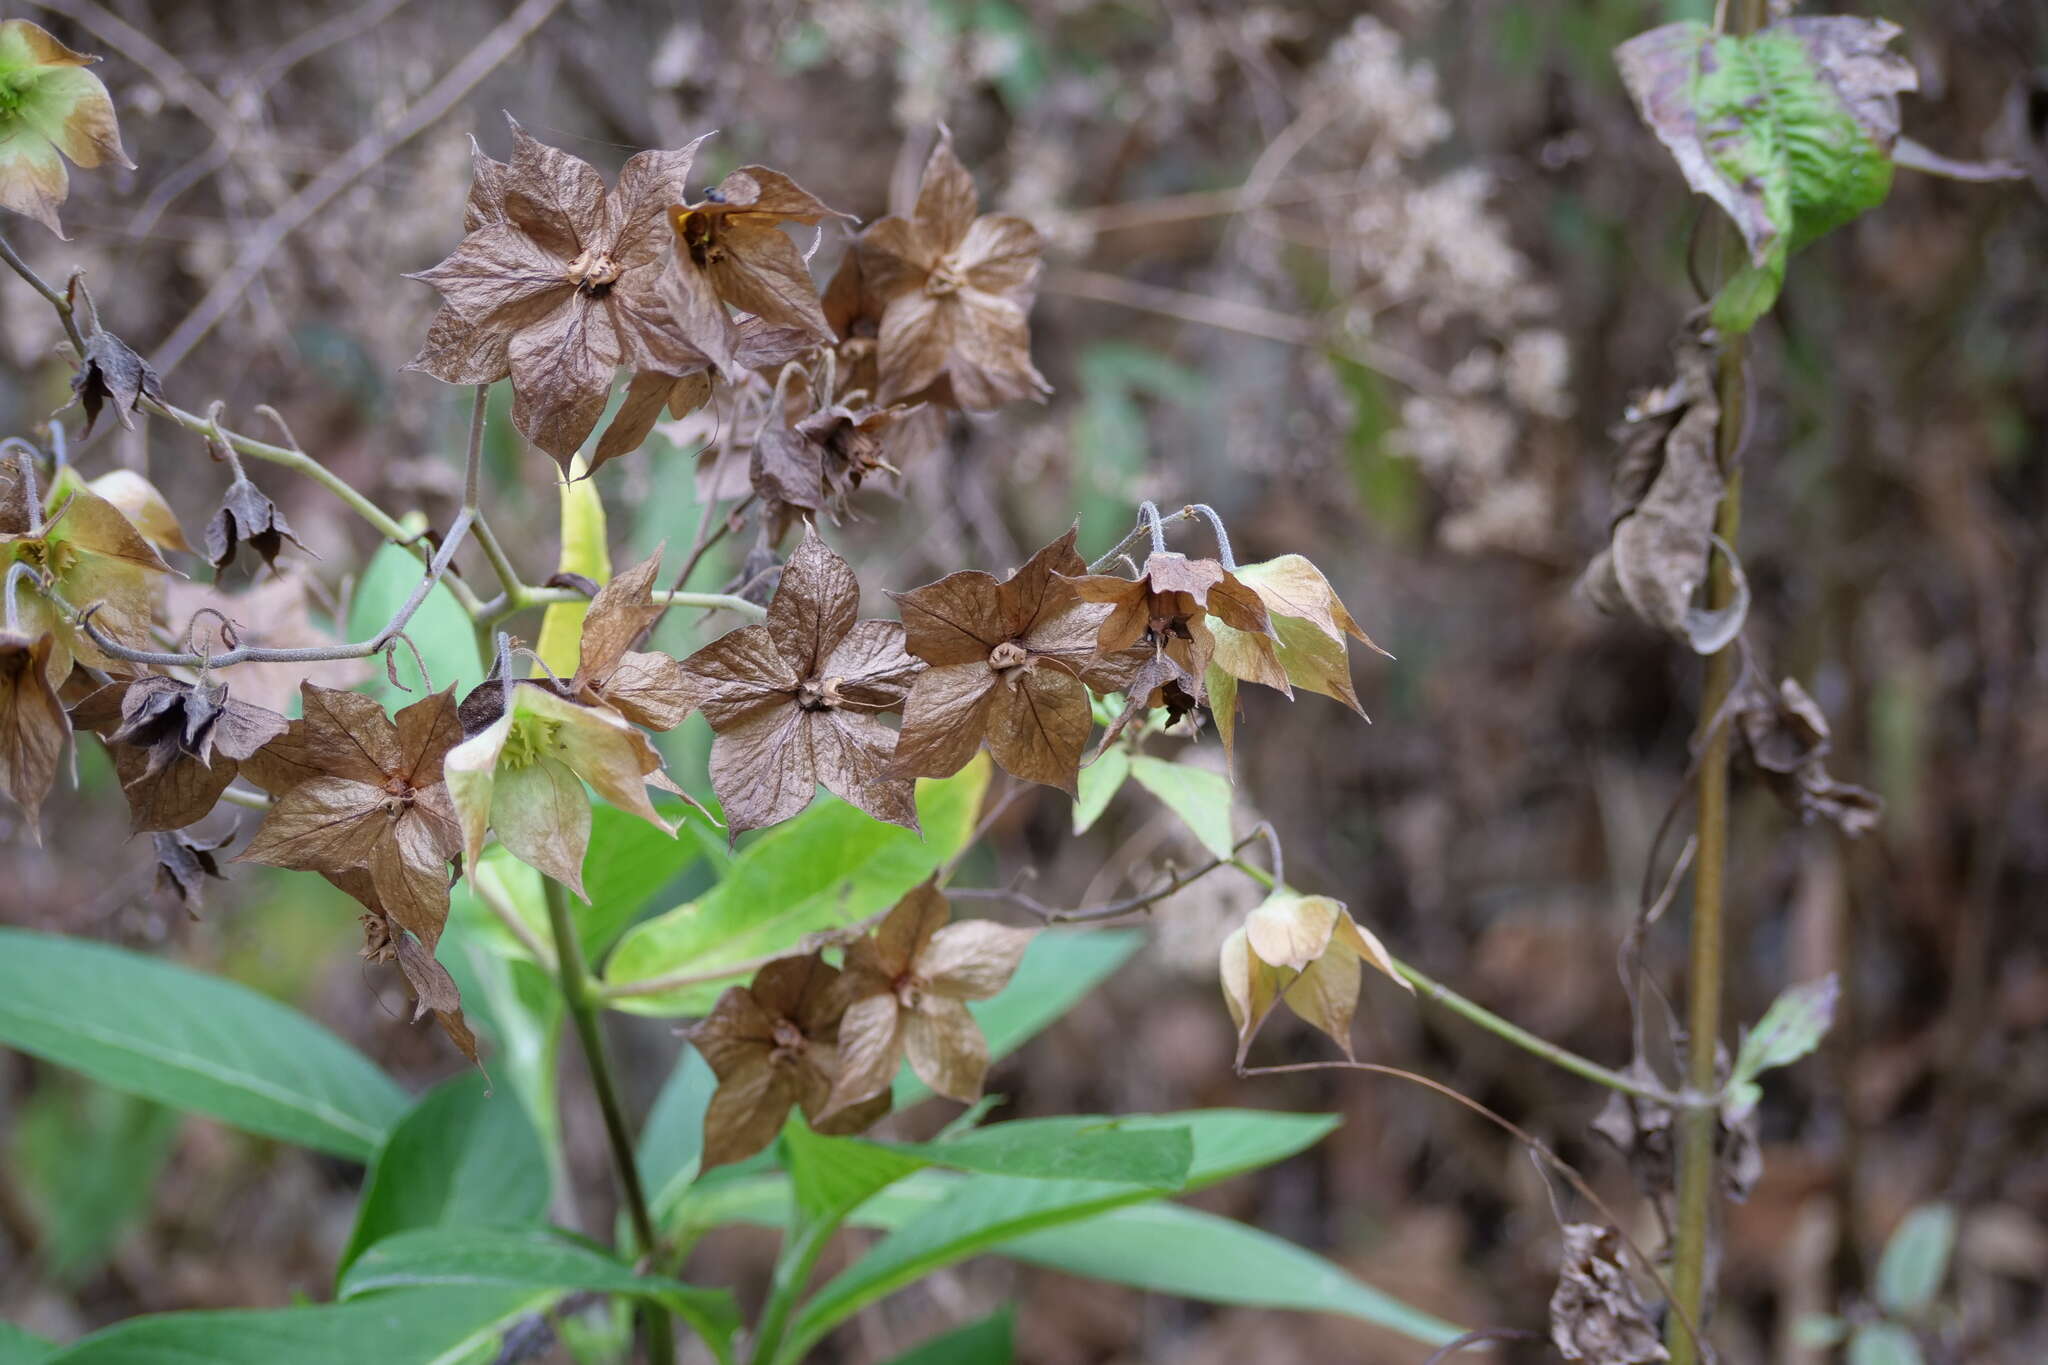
(1670, 484)
(1786, 736)
(52, 106)
(431, 986)
(795, 700)
(908, 986)
(1596, 1312)
(1010, 662)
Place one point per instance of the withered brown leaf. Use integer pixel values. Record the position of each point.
(360, 791)
(1668, 484)
(1010, 662)
(908, 987)
(1596, 1312)
(773, 1045)
(1786, 736)
(565, 271)
(431, 986)
(794, 700)
(955, 290)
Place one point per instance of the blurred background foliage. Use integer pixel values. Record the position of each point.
(1374, 280)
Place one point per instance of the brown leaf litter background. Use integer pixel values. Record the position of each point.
(1410, 266)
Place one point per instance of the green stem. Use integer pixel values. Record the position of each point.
(576, 993)
(792, 1272)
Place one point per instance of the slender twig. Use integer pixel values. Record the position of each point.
(515, 924)
(16, 572)
(712, 601)
(1684, 1325)
(582, 1005)
(1090, 914)
(1235, 315)
(36, 282)
(247, 799)
(478, 62)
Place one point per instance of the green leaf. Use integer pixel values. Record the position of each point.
(22, 1348)
(986, 1341)
(86, 1159)
(1790, 130)
(1059, 967)
(462, 1155)
(1079, 1148)
(832, 866)
(1916, 1260)
(982, 1211)
(673, 1139)
(1199, 797)
(636, 862)
(441, 629)
(192, 1041)
(1099, 782)
(1884, 1343)
(520, 1006)
(1172, 1249)
(831, 1176)
(1792, 1027)
(531, 1258)
(416, 1327)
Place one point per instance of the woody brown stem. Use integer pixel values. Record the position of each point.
(576, 994)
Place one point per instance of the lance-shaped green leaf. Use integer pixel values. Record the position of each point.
(1790, 130)
(49, 104)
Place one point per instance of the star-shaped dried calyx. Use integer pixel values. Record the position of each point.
(431, 986)
(360, 792)
(33, 725)
(817, 463)
(1010, 662)
(176, 746)
(1309, 628)
(794, 701)
(774, 1045)
(49, 105)
(909, 986)
(247, 516)
(649, 689)
(1166, 608)
(954, 290)
(94, 559)
(522, 774)
(730, 250)
(1306, 951)
(183, 865)
(566, 272)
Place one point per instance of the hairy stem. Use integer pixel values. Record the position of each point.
(576, 993)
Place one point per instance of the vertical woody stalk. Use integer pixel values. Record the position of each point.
(1699, 1121)
(576, 993)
